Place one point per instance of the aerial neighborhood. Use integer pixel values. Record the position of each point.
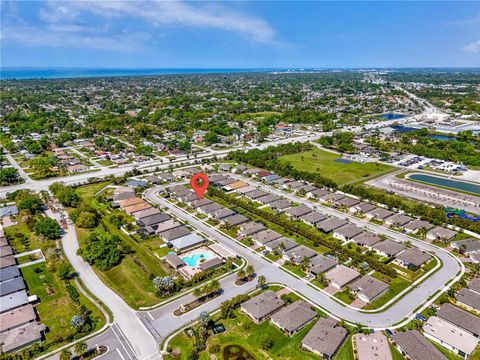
(337, 216)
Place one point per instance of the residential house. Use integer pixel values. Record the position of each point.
(347, 232)
(389, 248)
(265, 236)
(235, 220)
(281, 245)
(378, 214)
(469, 299)
(368, 288)
(186, 242)
(280, 205)
(174, 233)
(341, 276)
(398, 220)
(250, 228)
(460, 318)
(453, 338)
(441, 234)
(367, 239)
(294, 317)
(416, 225)
(331, 224)
(325, 338)
(299, 254)
(373, 346)
(298, 211)
(467, 246)
(320, 264)
(262, 306)
(413, 344)
(312, 218)
(412, 258)
(361, 208)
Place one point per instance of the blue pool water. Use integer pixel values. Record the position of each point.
(194, 259)
(453, 184)
(343, 161)
(391, 116)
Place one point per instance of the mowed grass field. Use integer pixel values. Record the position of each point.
(325, 164)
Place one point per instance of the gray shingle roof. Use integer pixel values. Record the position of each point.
(369, 286)
(251, 227)
(468, 297)
(367, 238)
(294, 316)
(262, 305)
(331, 224)
(321, 264)
(461, 318)
(298, 211)
(389, 247)
(414, 256)
(417, 346)
(11, 286)
(325, 337)
(266, 236)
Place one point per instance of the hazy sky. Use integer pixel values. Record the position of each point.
(239, 34)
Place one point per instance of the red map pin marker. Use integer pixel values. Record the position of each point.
(199, 183)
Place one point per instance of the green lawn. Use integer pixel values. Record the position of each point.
(346, 351)
(56, 308)
(325, 163)
(396, 355)
(396, 286)
(448, 354)
(245, 333)
(343, 296)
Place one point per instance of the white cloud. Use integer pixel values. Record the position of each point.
(158, 13)
(72, 36)
(473, 47)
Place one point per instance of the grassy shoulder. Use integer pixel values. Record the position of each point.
(243, 332)
(326, 164)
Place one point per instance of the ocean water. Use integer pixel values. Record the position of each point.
(67, 73)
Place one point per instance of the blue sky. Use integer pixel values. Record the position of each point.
(239, 34)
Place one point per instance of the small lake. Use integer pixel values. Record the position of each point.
(391, 116)
(450, 183)
(443, 137)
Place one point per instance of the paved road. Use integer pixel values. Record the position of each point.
(114, 339)
(138, 339)
(396, 313)
(39, 185)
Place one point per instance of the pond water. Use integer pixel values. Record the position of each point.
(391, 116)
(235, 352)
(450, 183)
(443, 137)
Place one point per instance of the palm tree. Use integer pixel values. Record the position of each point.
(249, 270)
(197, 292)
(241, 274)
(80, 347)
(215, 286)
(65, 354)
(261, 281)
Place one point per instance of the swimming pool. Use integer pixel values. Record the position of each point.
(195, 258)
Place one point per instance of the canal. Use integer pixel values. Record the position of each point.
(448, 183)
